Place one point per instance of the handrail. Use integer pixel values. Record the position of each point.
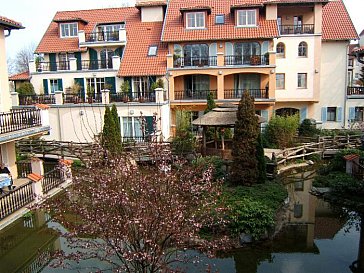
(19, 120)
(194, 94)
(297, 29)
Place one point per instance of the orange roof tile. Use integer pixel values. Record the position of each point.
(150, 3)
(51, 41)
(175, 31)
(34, 177)
(136, 61)
(23, 76)
(336, 22)
(294, 1)
(42, 106)
(10, 24)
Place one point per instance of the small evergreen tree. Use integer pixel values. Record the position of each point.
(115, 117)
(26, 89)
(111, 138)
(245, 166)
(262, 170)
(210, 103)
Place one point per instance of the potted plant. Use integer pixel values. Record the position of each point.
(90, 93)
(125, 88)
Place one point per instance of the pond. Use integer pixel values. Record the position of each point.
(314, 239)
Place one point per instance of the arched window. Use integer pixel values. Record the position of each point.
(106, 58)
(281, 50)
(302, 49)
(196, 55)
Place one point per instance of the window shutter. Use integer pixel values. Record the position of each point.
(45, 86)
(60, 85)
(351, 114)
(80, 82)
(79, 60)
(93, 59)
(119, 52)
(303, 114)
(111, 81)
(339, 114)
(324, 114)
(52, 62)
(149, 128)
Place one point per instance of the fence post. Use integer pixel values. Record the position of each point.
(58, 96)
(105, 96)
(37, 176)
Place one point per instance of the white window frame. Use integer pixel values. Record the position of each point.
(53, 85)
(284, 81)
(192, 20)
(299, 81)
(152, 51)
(246, 15)
(66, 30)
(97, 83)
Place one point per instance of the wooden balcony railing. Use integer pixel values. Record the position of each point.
(237, 93)
(52, 66)
(32, 99)
(247, 59)
(102, 36)
(297, 29)
(195, 61)
(133, 97)
(355, 90)
(19, 120)
(194, 94)
(96, 64)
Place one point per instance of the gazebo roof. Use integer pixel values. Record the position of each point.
(223, 116)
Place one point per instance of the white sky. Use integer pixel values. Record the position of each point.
(36, 15)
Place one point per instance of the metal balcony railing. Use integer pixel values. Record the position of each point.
(33, 99)
(133, 97)
(247, 59)
(237, 93)
(194, 94)
(19, 120)
(52, 66)
(355, 90)
(96, 64)
(102, 36)
(195, 61)
(297, 29)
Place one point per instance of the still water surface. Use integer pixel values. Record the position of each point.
(314, 240)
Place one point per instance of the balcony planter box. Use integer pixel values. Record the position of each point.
(255, 60)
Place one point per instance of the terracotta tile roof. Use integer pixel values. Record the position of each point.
(34, 177)
(23, 76)
(359, 50)
(42, 106)
(10, 24)
(294, 1)
(136, 62)
(175, 31)
(150, 3)
(336, 22)
(52, 43)
(351, 157)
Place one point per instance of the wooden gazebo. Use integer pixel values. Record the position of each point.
(223, 116)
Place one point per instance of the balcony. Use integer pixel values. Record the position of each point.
(195, 61)
(103, 36)
(247, 60)
(133, 97)
(33, 99)
(235, 94)
(52, 66)
(96, 64)
(355, 91)
(17, 120)
(297, 29)
(194, 94)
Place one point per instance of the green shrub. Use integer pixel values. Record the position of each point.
(26, 89)
(338, 162)
(307, 128)
(215, 161)
(280, 131)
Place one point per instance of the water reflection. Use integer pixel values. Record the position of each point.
(313, 240)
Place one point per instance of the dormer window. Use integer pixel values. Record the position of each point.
(246, 18)
(195, 20)
(69, 30)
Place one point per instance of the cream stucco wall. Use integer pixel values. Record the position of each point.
(292, 64)
(333, 80)
(7, 152)
(152, 14)
(81, 122)
(5, 100)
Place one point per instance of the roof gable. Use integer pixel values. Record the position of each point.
(9, 24)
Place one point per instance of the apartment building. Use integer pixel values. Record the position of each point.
(85, 52)
(285, 52)
(15, 124)
(291, 55)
